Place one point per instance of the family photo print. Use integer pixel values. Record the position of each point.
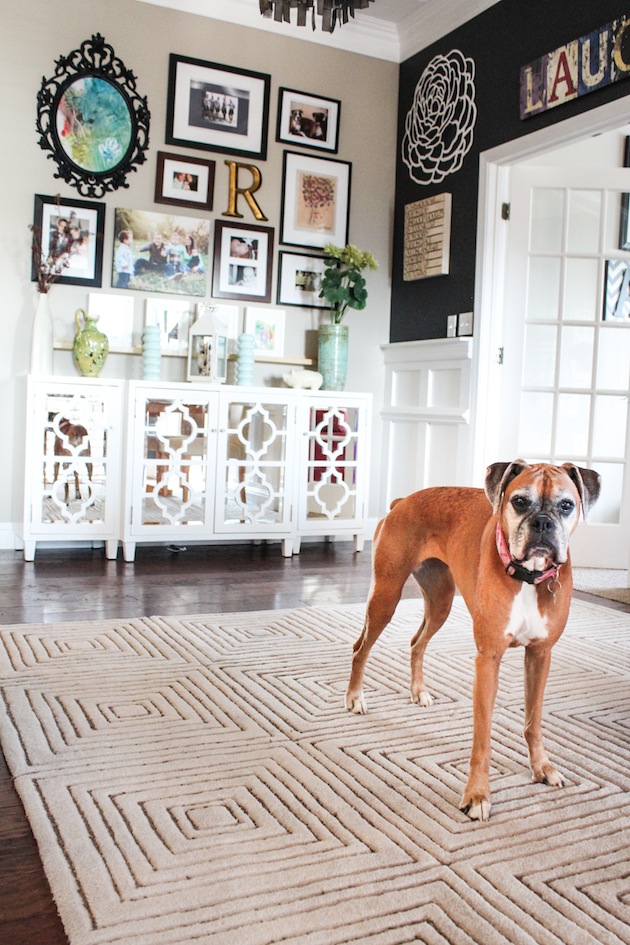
(156, 252)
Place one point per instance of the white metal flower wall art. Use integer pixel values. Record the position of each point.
(439, 125)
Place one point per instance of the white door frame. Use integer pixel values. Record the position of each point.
(494, 186)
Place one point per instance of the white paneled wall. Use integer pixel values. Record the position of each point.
(426, 415)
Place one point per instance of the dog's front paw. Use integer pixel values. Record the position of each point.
(356, 704)
(477, 807)
(423, 698)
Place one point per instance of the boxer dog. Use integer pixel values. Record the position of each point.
(507, 553)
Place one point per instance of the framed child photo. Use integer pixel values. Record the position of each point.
(308, 121)
(243, 257)
(217, 107)
(184, 181)
(315, 200)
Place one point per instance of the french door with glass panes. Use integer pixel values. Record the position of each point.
(566, 357)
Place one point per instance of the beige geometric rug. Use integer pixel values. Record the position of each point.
(197, 781)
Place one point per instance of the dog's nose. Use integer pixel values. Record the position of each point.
(542, 524)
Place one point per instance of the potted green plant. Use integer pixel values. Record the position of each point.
(344, 287)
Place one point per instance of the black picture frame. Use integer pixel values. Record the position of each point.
(92, 120)
(315, 200)
(85, 258)
(195, 191)
(245, 274)
(306, 120)
(299, 279)
(216, 107)
(624, 221)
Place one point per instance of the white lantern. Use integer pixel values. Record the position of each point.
(208, 346)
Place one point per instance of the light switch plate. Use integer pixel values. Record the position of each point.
(451, 326)
(465, 323)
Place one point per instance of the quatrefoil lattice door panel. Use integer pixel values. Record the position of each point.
(173, 476)
(73, 462)
(255, 463)
(334, 463)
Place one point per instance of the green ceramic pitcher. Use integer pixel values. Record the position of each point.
(90, 347)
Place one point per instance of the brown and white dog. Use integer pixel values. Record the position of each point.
(507, 553)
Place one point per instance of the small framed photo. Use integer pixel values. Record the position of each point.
(299, 280)
(71, 231)
(308, 121)
(243, 257)
(173, 317)
(267, 327)
(217, 108)
(184, 181)
(315, 200)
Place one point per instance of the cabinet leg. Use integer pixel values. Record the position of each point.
(129, 550)
(111, 549)
(297, 545)
(29, 550)
(359, 542)
(287, 547)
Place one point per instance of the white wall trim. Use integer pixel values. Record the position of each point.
(426, 415)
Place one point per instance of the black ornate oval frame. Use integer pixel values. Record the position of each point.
(92, 120)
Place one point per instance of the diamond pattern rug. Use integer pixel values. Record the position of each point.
(197, 780)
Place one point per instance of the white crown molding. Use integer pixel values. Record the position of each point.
(435, 20)
(365, 35)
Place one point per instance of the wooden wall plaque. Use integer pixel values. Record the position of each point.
(426, 249)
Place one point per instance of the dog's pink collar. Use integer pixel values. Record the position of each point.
(516, 570)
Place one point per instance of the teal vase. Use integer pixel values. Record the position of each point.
(90, 347)
(332, 356)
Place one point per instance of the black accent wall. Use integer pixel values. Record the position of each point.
(500, 40)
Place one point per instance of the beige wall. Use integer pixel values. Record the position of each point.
(143, 36)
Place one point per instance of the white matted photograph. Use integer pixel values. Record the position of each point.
(300, 280)
(267, 326)
(307, 120)
(184, 181)
(315, 200)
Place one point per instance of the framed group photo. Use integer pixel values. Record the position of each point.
(158, 252)
(315, 200)
(309, 121)
(71, 231)
(184, 181)
(217, 108)
(243, 257)
(300, 279)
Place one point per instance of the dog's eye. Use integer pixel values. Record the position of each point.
(567, 506)
(520, 503)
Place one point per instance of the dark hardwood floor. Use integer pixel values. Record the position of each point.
(73, 584)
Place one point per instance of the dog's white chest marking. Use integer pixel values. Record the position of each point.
(525, 623)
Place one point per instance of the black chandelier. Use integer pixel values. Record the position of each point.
(331, 11)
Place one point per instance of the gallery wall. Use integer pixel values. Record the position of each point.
(495, 45)
(144, 36)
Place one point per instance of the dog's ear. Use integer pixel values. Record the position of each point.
(588, 484)
(498, 477)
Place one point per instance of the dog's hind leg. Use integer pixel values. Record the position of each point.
(380, 610)
(438, 589)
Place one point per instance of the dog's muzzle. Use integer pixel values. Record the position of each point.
(516, 570)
